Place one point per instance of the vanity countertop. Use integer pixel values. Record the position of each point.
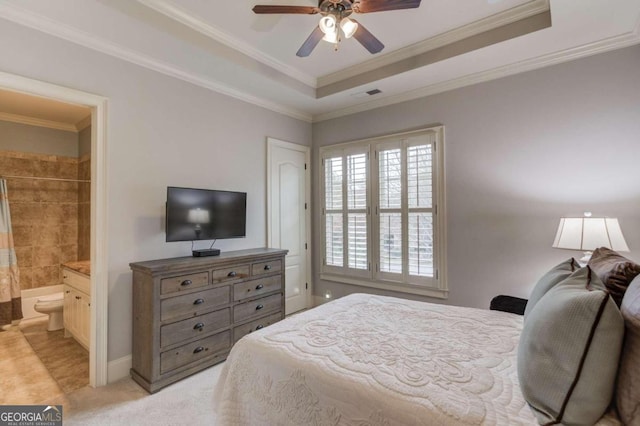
(81, 266)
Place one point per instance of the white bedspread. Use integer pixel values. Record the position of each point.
(372, 360)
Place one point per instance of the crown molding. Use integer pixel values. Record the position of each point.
(509, 16)
(54, 28)
(32, 121)
(174, 12)
(612, 43)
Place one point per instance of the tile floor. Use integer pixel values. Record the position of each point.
(65, 359)
(40, 367)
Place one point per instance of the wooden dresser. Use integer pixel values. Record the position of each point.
(189, 311)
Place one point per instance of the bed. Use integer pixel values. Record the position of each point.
(373, 360)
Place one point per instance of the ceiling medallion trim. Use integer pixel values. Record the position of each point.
(48, 26)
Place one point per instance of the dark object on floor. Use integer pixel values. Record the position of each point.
(514, 305)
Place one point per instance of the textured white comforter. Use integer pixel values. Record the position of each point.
(372, 360)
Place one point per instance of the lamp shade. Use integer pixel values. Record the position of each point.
(328, 24)
(589, 233)
(349, 27)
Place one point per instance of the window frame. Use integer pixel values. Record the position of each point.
(435, 286)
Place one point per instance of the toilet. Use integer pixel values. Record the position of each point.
(51, 304)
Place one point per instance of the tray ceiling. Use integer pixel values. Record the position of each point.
(443, 44)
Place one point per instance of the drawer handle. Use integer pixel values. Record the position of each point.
(198, 302)
(232, 274)
(198, 349)
(259, 307)
(259, 287)
(258, 327)
(267, 267)
(78, 297)
(186, 283)
(199, 326)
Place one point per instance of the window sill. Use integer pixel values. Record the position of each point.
(396, 287)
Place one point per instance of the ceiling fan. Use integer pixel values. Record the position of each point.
(335, 20)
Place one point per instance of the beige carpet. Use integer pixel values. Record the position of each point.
(23, 377)
(187, 402)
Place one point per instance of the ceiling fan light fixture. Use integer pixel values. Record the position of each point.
(331, 37)
(328, 24)
(348, 27)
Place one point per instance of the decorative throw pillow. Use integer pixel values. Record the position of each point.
(627, 391)
(569, 350)
(615, 271)
(548, 280)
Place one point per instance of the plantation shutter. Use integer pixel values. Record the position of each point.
(357, 176)
(420, 207)
(405, 209)
(334, 230)
(390, 208)
(346, 210)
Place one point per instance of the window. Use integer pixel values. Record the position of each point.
(381, 223)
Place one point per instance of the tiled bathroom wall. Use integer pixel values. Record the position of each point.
(46, 215)
(84, 208)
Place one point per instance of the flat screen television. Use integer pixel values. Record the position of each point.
(204, 214)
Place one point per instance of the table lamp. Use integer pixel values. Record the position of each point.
(588, 233)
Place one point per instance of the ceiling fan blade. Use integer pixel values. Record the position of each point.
(304, 10)
(368, 6)
(310, 43)
(368, 40)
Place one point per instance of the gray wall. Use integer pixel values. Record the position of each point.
(37, 140)
(161, 132)
(521, 152)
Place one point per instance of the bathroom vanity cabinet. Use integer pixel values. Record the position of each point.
(77, 306)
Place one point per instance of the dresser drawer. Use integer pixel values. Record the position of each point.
(183, 282)
(246, 289)
(230, 273)
(252, 326)
(194, 351)
(191, 328)
(266, 267)
(257, 308)
(194, 303)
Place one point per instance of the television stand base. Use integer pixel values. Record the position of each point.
(206, 252)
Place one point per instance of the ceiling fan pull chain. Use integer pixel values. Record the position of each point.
(338, 32)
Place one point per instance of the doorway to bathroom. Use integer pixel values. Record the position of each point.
(58, 211)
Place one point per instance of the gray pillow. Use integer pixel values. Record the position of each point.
(548, 280)
(628, 391)
(569, 351)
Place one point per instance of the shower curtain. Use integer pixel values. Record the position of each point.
(10, 301)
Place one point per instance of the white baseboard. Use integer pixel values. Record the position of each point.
(118, 369)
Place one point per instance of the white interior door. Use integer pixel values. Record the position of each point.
(288, 222)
